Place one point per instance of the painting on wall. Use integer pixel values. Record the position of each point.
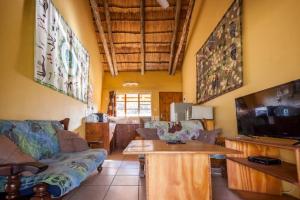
(60, 60)
(219, 60)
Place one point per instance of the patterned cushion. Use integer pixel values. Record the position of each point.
(35, 138)
(157, 124)
(178, 135)
(209, 137)
(65, 172)
(191, 125)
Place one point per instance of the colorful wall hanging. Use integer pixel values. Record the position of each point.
(60, 60)
(219, 60)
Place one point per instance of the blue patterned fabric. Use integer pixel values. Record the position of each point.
(35, 138)
(65, 172)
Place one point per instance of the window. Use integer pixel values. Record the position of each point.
(133, 104)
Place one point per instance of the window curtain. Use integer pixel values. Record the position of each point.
(111, 109)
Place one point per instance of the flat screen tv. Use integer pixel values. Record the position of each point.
(274, 112)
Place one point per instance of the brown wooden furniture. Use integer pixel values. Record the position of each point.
(165, 99)
(100, 134)
(252, 177)
(13, 172)
(124, 134)
(180, 171)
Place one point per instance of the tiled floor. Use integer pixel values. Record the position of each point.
(119, 180)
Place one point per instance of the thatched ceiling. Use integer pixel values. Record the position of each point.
(139, 35)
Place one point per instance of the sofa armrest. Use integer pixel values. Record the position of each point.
(65, 123)
(14, 169)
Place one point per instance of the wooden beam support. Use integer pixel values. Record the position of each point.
(142, 11)
(110, 38)
(183, 35)
(173, 42)
(102, 35)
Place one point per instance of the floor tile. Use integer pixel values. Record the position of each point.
(115, 156)
(90, 193)
(126, 180)
(122, 193)
(131, 157)
(98, 180)
(112, 163)
(128, 172)
(130, 164)
(70, 194)
(109, 171)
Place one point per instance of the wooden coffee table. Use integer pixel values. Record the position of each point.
(177, 171)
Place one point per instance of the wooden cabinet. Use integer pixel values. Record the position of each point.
(165, 99)
(102, 132)
(252, 177)
(124, 134)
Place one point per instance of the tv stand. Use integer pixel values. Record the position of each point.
(253, 177)
(297, 143)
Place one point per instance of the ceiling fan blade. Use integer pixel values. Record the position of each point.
(163, 3)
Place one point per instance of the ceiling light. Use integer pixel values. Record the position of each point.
(163, 3)
(130, 84)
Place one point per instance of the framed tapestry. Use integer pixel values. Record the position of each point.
(60, 60)
(219, 60)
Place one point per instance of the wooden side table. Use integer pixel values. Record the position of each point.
(94, 143)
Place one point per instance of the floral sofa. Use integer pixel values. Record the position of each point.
(39, 140)
(189, 130)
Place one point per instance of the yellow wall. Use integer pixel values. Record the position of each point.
(21, 97)
(153, 82)
(270, 50)
(270, 53)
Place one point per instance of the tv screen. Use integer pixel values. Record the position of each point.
(273, 112)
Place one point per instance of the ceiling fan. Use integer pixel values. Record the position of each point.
(163, 3)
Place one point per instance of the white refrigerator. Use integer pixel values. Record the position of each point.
(178, 111)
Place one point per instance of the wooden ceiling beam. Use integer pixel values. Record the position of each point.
(110, 38)
(142, 11)
(183, 36)
(173, 42)
(102, 35)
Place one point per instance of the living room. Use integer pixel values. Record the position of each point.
(137, 58)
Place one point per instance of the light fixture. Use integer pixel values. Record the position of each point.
(163, 3)
(130, 84)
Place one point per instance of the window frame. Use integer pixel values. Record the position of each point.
(138, 101)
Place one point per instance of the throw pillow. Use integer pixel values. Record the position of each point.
(71, 142)
(148, 133)
(10, 153)
(209, 137)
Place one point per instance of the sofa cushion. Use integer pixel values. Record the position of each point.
(209, 137)
(157, 124)
(10, 153)
(35, 138)
(71, 142)
(65, 172)
(148, 133)
(191, 125)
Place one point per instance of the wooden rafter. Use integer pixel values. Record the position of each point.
(110, 38)
(173, 42)
(142, 11)
(102, 35)
(183, 35)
